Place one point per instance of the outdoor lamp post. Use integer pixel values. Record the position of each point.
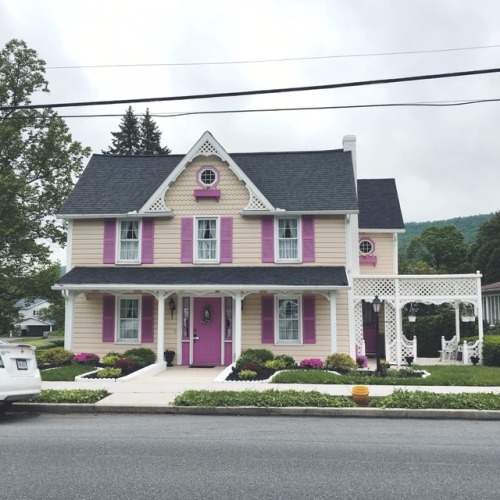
(376, 309)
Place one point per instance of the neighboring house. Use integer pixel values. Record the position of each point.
(31, 325)
(210, 253)
(491, 303)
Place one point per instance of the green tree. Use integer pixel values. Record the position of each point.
(137, 137)
(38, 163)
(127, 140)
(150, 137)
(442, 249)
(485, 253)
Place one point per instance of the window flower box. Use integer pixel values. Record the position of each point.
(207, 193)
(368, 259)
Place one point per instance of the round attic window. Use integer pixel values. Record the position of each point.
(208, 176)
(366, 246)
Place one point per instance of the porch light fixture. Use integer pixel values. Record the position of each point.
(171, 304)
(376, 303)
(195, 336)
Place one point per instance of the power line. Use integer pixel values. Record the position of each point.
(255, 92)
(434, 104)
(287, 59)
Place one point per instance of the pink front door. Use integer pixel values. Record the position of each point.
(207, 327)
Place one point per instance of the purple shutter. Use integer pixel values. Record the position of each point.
(187, 239)
(148, 241)
(109, 244)
(108, 318)
(308, 251)
(267, 319)
(309, 319)
(267, 228)
(226, 239)
(147, 318)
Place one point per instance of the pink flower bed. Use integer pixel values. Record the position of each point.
(312, 363)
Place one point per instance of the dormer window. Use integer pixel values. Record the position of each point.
(366, 246)
(208, 176)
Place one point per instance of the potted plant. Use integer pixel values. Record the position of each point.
(474, 359)
(169, 357)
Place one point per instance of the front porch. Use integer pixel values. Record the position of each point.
(395, 292)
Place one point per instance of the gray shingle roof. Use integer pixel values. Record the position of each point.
(333, 276)
(379, 204)
(294, 181)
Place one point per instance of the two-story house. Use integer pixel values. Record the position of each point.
(210, 253)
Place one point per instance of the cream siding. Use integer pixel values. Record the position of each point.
(384, 251)
(87, 245)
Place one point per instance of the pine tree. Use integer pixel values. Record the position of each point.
(127, 140)
(151, 137)
(137, 137)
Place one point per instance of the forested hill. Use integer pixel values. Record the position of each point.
(467, 225)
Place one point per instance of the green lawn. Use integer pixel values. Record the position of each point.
(38, 342)
(65, 373)
(445, 375)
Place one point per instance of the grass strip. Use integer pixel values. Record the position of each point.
(420, 400)
(269, 398)
(65, 373)
(444, 375)
(70, 396)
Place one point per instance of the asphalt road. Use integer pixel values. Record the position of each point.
(193, 457)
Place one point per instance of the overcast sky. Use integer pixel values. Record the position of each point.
(445, 160)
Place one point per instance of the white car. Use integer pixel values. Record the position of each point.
(19, 374)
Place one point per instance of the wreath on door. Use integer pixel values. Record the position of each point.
(206, 314)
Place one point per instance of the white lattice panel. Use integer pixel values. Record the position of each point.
(437, 287)
(255, 203)
(159, 205)
(207, 148)
(390, 333)
(368, 288)
(358, 325)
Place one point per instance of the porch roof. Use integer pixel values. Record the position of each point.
(209, 278)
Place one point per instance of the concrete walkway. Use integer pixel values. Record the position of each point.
(160, 390)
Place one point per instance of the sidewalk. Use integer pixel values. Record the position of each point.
(160, 390)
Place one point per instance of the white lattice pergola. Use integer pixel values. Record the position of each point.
(397, 291)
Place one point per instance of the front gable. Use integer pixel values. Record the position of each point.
(207, 152)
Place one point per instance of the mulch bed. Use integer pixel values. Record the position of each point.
(263, 375)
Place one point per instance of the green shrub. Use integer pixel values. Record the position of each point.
(276, 364)
(109, 373)
(289, 361)
(54, 356)
(71, 396)
(259, 356)
(247, 374)
(138, 361)
(125, 365)
(491, 351)
(341, 363)
(148, 355)
(110, 359)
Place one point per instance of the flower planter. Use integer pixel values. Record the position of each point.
(169, 357)
(360, 394)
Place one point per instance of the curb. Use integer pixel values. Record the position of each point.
(62, 408)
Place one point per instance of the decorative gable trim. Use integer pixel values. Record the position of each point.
(207, 146)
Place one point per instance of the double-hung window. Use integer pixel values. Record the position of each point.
(288, 320)
(288, 239)
(206, 240)
(128, 320)
(128, 241)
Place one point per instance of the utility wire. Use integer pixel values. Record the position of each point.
(434, 104)
(254, 92)
(288, 59)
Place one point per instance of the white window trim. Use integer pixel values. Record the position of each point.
(276, 240)
(369, 240)
(204, 168)
(119, 298)
(196, 260)
(119, 242)
(277, 340)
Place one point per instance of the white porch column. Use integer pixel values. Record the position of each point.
(479, 310)
(237, 326)
(399, 327)
(161, 327)
(352, 323)
(457, 321)
(68, 319)
(333, 320)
